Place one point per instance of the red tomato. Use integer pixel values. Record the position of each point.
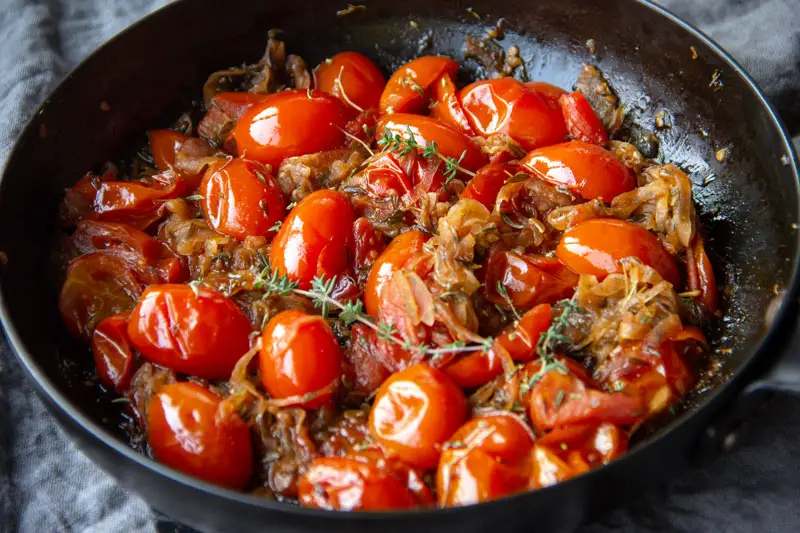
(547, 468)
(299, 355)
(595, 247)
(548, 91)
(187, 432)
(193, 331)
(223, 111)
(415, 412)
(389, 175)
(163, 145)
(408, 89)
(133, 202)
(529, 279)
(363, 125)
(488, 181)
(112, 352)
(290, 123)
(361, 483)
(314, 238)
(487, 458)
(505, 105)
(582, 122)
(700, 275)
(368, 244)
(585, 169)
(447, 108)
(450, 142)
(96, 286)
(353, 78)
(558, 399)
(240, 198)
(367, 356)
(137, 248)
(597, 444)
(393, 258)
(520, 342)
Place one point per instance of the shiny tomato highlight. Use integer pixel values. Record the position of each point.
(351, 77)
(408, 89)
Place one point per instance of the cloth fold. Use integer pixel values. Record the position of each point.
(47, 485)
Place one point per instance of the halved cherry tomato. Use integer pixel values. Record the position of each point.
(240, 198)
(582, 122)
(362, 483)
(196, 331)
(368, 244)
(548, 91)
(528, 279)
(163, 145)
(393, 258)
(351, 77)
(415, 412)
(595, 247)
(595, 444)
(447, 108)
(557, 399)
(487, 458)
(408, 89)
(487, 182)
(299, 355)
(290, 123)
(188, 432)
(112, 352)
(96, 287)
(520, 342)
(223, 112)
(314, 239)
(585, 169)
(505, 105)
(700, 275)
(449, 141)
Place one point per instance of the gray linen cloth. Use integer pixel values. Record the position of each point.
(46, 485)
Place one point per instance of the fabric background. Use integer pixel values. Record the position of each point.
(46, 485)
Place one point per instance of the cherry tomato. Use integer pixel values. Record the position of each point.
(447, 108)
(240, 198)
(96, 286)
(582, 122)
(449, 141)
(353, 78)
(299, 355)
(487, 182)
(487, 458)
(557, 399)
(314, 238)
(112, 352)
(505, 105)
(367, 357)
(528, 279)
(391, 175)
(290, 123)
(163, 145)
(595, 247)
(547, 468)
(361, 483)
(393, 258)
(196, 331)
(548, 91)
(700, 275)
(596, 444)
(585, 169)
(415, 412)
(132, 245)
(223, 112)
(368, 244)
(186, 431)
(363, 125)
(520, 342)
(408, 89)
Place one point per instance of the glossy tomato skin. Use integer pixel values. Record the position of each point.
(487, 458)
(446, 107)
(528, 279)
(133, 202)
(548, 91)
(240, 198)
(314, 239)
(582, 122)
(134, 246)
(368, 244)
(299, 355)
(393, 258)
(112, 352)
(449, 141)
(361, 482)
(201, 333)
(96, 286)
(520, 342)
(223, 112)
(487, 182)
(351, 77)
(290, 123)
(163, 145)
(588, 170)
(596, 246)
(414, 413)
(700, 275)
(408, 89)
(187, 432)
(505, 105)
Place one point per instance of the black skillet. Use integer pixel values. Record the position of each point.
(145, 76)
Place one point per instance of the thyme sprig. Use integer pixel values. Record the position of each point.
(394, 142)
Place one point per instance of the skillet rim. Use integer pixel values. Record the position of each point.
(733, 384)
